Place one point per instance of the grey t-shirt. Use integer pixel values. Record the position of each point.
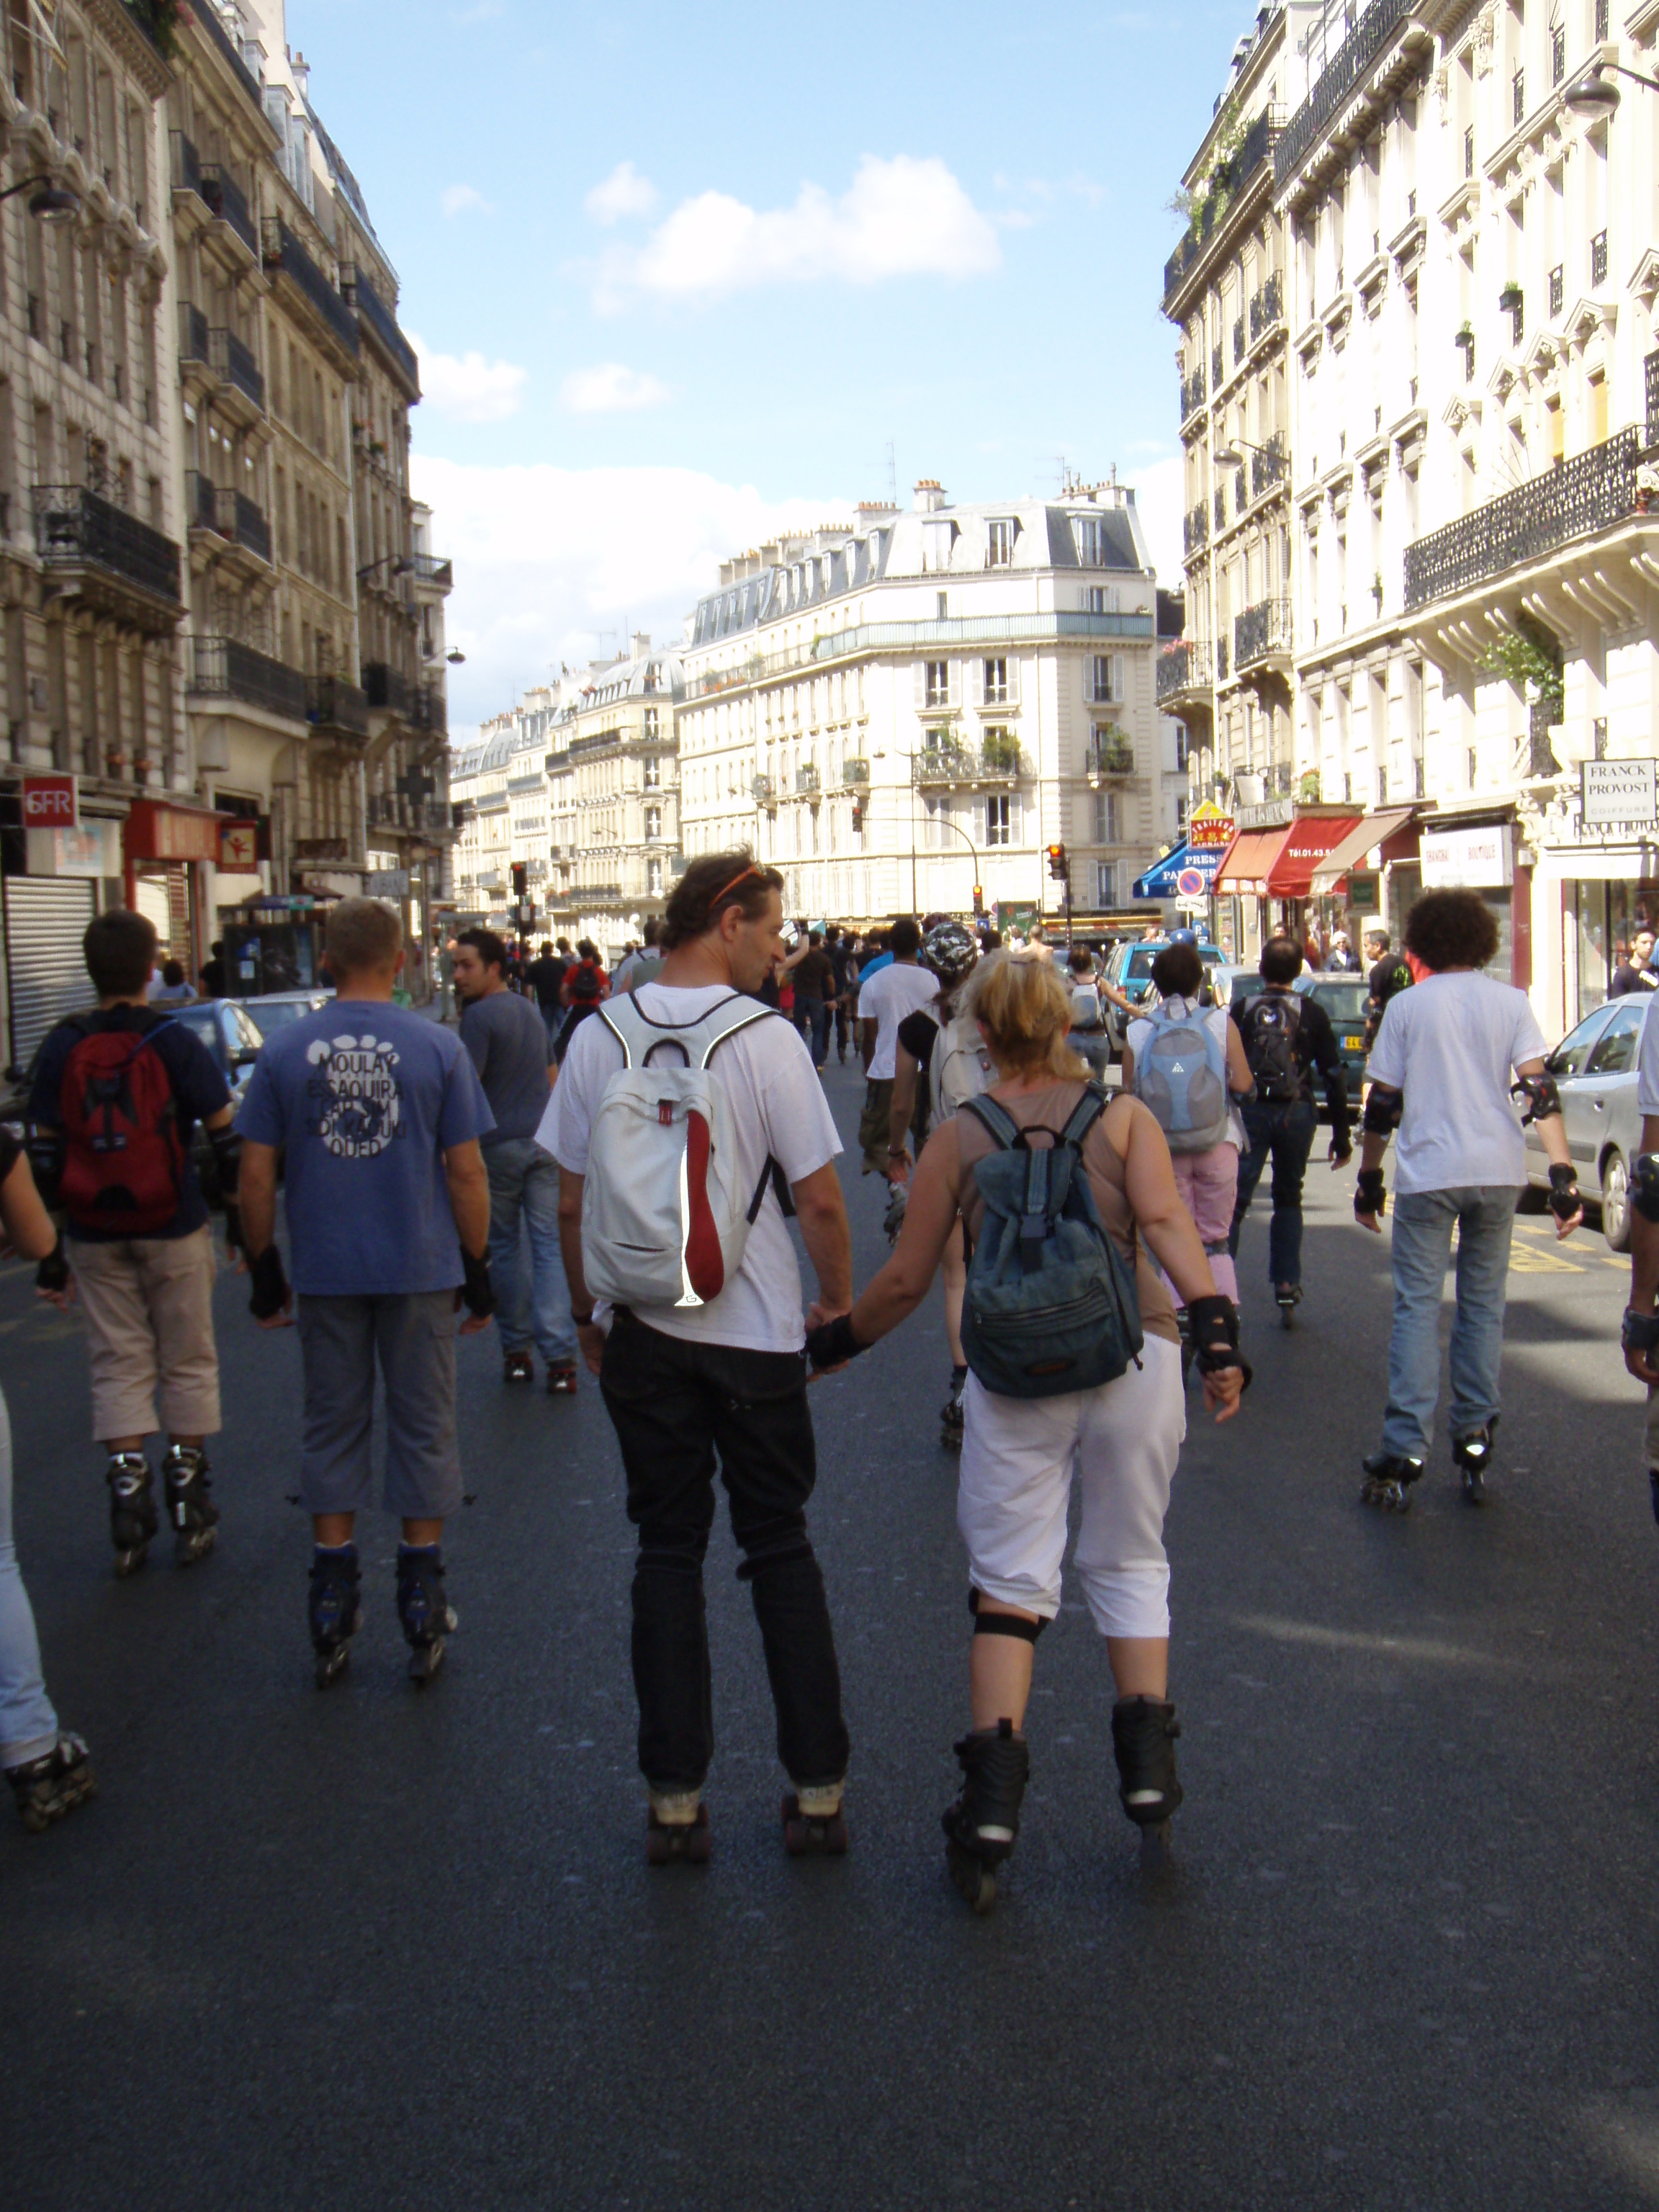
(507, 1040)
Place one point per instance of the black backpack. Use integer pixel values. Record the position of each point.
(1270, 1024)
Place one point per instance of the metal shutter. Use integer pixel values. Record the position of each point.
(46, 917)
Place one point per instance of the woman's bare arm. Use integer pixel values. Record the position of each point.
(929, 1217)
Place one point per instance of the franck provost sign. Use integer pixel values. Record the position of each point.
(1617, 793)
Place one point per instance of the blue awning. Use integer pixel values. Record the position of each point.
(1187, 872)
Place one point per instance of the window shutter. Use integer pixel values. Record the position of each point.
(979, 822)
(1118, 677)
(1013, 681)
(976, 682)
(1015, 837)
(954, 693)
(921, 684)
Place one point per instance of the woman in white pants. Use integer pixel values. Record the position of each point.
(1019, 1456)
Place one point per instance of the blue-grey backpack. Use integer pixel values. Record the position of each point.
(1181, 1077)
(1051, 1304)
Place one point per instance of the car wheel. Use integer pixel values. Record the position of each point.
(1615, 1204)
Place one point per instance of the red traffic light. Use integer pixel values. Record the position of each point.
(1059, 866)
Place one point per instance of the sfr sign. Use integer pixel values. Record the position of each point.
(50, 802)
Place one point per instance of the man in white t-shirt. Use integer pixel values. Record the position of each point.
(1441, 1072)
(1640, 1336)
(887, 997)
(686, 1383)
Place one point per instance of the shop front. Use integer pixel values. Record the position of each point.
(62, 864)
(1597, 885)
(1267, 874)
(167, 850)
(1484, 855)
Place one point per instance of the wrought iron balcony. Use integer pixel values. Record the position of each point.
(855, 772)
(996, 761)
(1195, 390)
(1221, 661)
(1269, 465)
(1183, 666)
(1362, 46)
(1196, 529)
(206, 20)
(430, 710)
(387, 689)
(1227, 181)
(807, 781)
(428, 569)
(75, 528)
(1218, 368)
(1110, 755)
(1651, 370)
(283, 253)
(1592, 492)
(234, 363)
(1260, 632)
(225, 668)
(186, 168)
(227, 513)
(763, 792)
(331, 703)
(229, 203)
(1599, 258)
(1557, 288)
(1220, 506)
(1268, 307)
(1238, 341)
(382, 326)
(193, 343)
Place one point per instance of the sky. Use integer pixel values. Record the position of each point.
(680, 277)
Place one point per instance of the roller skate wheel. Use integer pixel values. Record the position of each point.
(129, 1562)
(331, 1665)
(691, 1840)
(194, 1544)
(1156, 1843)
(804, 1837)
(1474, 1486)
(424, 1662)
(975, 1879)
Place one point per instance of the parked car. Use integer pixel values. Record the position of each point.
(276, 1009)
(1130, 970)
(1594, 1070)
(1346, 1000)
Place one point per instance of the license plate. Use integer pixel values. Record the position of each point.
(1352, 1043)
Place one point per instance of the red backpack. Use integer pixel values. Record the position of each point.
(124, 1166)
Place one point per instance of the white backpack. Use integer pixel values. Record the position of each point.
(664, 1223)
(960, 1069)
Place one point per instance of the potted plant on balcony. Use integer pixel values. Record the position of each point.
(1376, 591)
(1307, 791)
(1509, 299)
(1001, 751)
(1464, 337)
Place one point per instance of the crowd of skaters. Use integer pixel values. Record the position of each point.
(605, 1167)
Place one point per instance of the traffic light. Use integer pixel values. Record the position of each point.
(979, 898)
(1059, 866)
(858, 816)
(521, 879)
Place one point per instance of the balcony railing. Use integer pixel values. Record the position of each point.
(950, 633)
(234, 363)
(1261, 631)
(854, 773)
(186, 168)
(207, 21)
(225, 668)
(1183, 666)
(227, 512)
(1226, 183)
(1221, 506)
(1221, 661)
(193, 336)
(1270, 465)
(1367, 40)
(1650, 369)
(762, 792)
(333, 704)
(387, 689)
(229, 203)
(383, 324)
(1591, 492)
(1238, 341)
(1217, 368)
(75, 528)
(1110, 755)
(427, 569)
(949, 764)
(1196, 529)
(1268, 307)
(1599, 258)
(428, 709)
(806, 782)
(1195, 390)
(284, 252)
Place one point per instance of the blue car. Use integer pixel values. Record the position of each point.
(1130, 970)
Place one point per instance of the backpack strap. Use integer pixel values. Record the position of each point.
(1036, 1217)
(1087, 1111)
(772, 1176)
(998, 1123)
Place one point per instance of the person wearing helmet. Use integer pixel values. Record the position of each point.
(942, 1059)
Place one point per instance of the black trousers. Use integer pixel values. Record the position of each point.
(675, 1406)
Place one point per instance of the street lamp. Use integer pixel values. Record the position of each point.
(1596, 95)
(52, 202)
(944, 820)
(399, 564)
(1230, 457)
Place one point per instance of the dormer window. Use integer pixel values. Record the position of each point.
(999, 553)
(1090, 535)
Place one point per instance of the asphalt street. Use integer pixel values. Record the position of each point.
(376, 1948)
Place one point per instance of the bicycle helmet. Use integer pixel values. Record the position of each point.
(1183, 937)
(949, 951)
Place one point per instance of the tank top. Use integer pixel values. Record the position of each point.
(1050, 1110)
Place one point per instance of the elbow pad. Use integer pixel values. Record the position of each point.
(1543, 1099)
(226, 1160)
(1645, 1186)
(1383, 1108)
(46, 1147)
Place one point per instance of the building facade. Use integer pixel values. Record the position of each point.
(904, 711)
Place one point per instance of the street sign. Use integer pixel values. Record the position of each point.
(51, 802)
(1208, 825)
(1190, 884)
(239, 848)
(1614, 791)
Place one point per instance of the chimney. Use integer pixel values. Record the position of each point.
(769, 557)
(300, 69)
(871, 510)
(930, 496)
(642, 643)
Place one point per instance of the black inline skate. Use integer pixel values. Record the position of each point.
(1289, 1297)
(683, 1835)
(1389, 1479)
(425, 1615)
(47, 1787)
(814, 1824)
(1470, 1456)
(133, 1520)
(335, 1614)
(950, 1418)
(980, 1827)
(194, 1516)
(1143, 1730)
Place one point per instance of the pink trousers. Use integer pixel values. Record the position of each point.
(1208, 1183)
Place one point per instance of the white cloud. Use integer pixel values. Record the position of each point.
(898, 218)
(548, 559)
(463, 199)
(469, 387)
(1161, 498)
(623, 193)
(612, 389)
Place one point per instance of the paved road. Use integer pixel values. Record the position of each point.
(373, 1948)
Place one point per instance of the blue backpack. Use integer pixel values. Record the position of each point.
(1181, 1078)
(1051, 1304)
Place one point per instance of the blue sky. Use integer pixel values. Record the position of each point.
(680, 275)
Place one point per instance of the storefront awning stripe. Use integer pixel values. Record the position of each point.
(1305, 845)
(1250, 857)
(1365, 837)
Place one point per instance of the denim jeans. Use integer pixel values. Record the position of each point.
(1284, 1134)
(532, 1299)
(676, 1405)
(820, 1015)
(28, 1726)
(1483, 1217)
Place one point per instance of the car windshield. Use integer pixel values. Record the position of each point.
(1140, 961)
(270, 1015)
(203, 1022)
(1343, 1002)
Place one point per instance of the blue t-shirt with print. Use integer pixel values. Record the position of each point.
(366, 1098)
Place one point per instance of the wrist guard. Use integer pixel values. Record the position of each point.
(53, 1273)
(1644, 1186)
(478, 1293)
(1543, 1099)
(1214, 1324)
(1372, 1195)
(1564, 1200)
(1640, 1332)
(269, 1281)
(832, 1342)
(1384, 1108)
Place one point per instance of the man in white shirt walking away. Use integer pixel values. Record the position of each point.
(1442, 1074)
(687, 1122)
(886, 998)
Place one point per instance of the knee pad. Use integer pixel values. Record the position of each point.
(654, 1560)
(1384, 1108)
(782, 1555)
(1003, 1624)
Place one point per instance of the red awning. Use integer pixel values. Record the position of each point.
(1249, 859)
(1374, 830)
(1291, 876)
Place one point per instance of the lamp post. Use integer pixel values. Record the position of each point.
(52, 202)
(945, 823)
(1596, 94)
